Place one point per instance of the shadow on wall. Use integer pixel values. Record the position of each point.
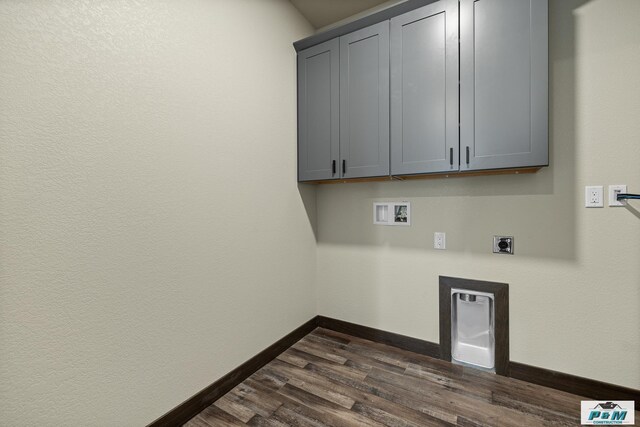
(539, 210)
(308, 195)
(633, 211)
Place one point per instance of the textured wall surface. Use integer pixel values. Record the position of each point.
(379, 7)
(321, 13)
(152, 235)
(575, 278)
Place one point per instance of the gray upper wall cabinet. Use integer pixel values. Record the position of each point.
(430, 86)
(424, 90)
(503, 84)
(364, 102)
(318, 112)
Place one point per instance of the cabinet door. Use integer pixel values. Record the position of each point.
(503, 84)
(318, 112)
(364, 102)
(424, 90)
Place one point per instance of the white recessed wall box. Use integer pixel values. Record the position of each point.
(392, 213)
(614, 190)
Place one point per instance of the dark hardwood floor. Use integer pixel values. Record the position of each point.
(332, 379)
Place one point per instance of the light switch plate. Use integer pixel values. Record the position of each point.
(440, 241)
(614, 190)
(594, 196)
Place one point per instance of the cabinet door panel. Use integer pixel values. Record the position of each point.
(364, 102)
(424, 90)
(318, 111)
(503, 83)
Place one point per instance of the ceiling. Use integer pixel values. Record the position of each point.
(321, 13)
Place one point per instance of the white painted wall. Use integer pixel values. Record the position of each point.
(383, 5)
(326, 12)
(152, 235)
(575, 278)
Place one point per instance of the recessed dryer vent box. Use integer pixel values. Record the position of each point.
(394, 213)
(473, 329)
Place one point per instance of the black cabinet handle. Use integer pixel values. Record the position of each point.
(333, 167)
(344, 167)
(467, 155)
(451, 156)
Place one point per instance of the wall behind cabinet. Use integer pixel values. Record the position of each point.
(575, 278)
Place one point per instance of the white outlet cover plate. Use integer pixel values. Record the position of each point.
(614, 190)
(440, 241)
(594, 196)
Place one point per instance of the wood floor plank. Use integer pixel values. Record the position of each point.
(383, 417)
(268, 379)
(216, 417)
(550, 400)
(291, 357)
(262, 393)
(320, 351)
(328, 412)
(197, 421)
(331, 369)
(314, 384)
(473, 408)
(333, 335)
(360, 392)
(363, 361)
(259, 403)
(304, 356)
(326, 393)
(325, 341)
(231, 407)
(332, 379)
(450, 383)
(552, 417)
(260, 421)
(296, 415)
(378, 355)
(398, 397)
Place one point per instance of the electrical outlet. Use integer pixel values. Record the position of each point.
(614, 190)
(503, 245)
(440, 241)
(593, 196)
